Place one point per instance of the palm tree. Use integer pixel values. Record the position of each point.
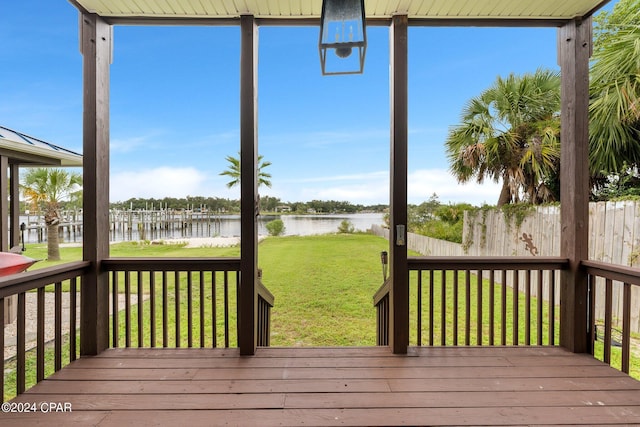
(233, 171)
(45, 188)
(614, 109)
(511, 132)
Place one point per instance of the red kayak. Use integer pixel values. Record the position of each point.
(11, 263)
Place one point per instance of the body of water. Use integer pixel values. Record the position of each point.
(222, 226)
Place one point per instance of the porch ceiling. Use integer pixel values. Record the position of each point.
(300, 9)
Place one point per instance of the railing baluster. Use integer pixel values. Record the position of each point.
(58, 327)
(591, 283)
(527, 308)
(431, 306)
(467, 307)
(214, 312)
(419, 310)
(539, 308)
(387, 313)
(237, 323)
(492, 308)
(114, 309)
(40, 334)
(176, 291)
(226, 309)
(165, 310)
(608, 306)
(202, 307)
(73, 288)
(479, 309)
(127, 308)
(552, 307)
(152, 308)
(626, 327)
(455, 307)
(189, 309)
(140, 311)
(20, 352)
(503, 308)
(443, 307)
(516, 301)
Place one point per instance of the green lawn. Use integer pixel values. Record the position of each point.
(324, 288)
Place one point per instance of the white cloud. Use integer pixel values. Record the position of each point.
(424, 182)
(158, 183)
(363, 188)
(132, 143)
(373, 188)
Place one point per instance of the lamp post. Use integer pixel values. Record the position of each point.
(384, 258)
(23, 227)
(342, 29)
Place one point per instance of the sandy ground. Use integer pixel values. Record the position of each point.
(204, 242)
(191, 242)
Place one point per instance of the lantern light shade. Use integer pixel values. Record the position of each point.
(342, 34)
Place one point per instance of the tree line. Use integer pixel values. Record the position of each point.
(267, 204)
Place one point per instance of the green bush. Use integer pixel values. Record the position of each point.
(442, 230)
(275, 227)
(346, 227)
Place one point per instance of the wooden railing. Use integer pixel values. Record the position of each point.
(179, 302)
(475, 301)
(608, 333)
(382, 303)
(51, 353)
(265, 303)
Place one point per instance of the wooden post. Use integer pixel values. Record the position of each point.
(96, 42)
(574, 49)
(399, 295)
(247, 298)
(14, 205)
(4, 203)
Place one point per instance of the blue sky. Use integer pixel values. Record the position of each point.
(175, 103)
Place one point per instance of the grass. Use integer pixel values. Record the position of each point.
(323, 287)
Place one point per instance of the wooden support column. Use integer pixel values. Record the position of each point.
(4, 203)
(399, 295)
(95, 42)
(14, 205)
(574, 49)
(247, 298)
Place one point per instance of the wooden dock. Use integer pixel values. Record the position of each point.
(130, 224)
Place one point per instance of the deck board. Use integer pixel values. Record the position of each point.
(336, 386)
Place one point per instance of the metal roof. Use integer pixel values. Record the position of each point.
(29, 151)
(552, 10)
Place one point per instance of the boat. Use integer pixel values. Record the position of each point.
(12, 263)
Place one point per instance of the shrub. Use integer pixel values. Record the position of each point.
(346, 227)
(275, 227)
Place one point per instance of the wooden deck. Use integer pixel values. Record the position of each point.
(335, 386)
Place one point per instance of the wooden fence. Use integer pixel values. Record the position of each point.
(424, 245)
(614, 237)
